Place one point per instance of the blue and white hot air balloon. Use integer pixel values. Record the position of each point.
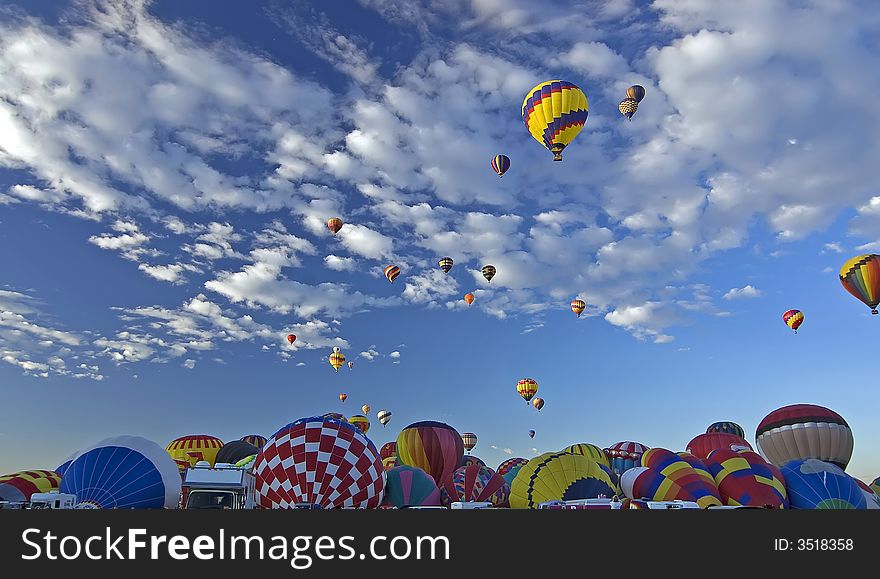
(815, 484)
(123, 472)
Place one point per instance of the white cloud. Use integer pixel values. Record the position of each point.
(370, 354)
(507, 450)
(744, 292)
(365, 242)
(300, 364)
(189, 364)
(394, 354)
(337, 263)
(833, 246)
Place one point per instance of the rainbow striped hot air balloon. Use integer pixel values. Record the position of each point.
(554, 112)
(860, 276)
(434, 447)
(474, 483)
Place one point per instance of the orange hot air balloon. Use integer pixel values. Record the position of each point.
(538, 403)
(527, 387)
(342, 397)
(469, 298)
(334, 224)
(291, 338)
(578, 307)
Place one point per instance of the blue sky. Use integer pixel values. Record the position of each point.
(167, 169)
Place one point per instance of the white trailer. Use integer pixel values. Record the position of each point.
(222, 487)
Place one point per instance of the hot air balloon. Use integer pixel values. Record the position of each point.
(291, 338)
(554, 112)
(334, 224)
(559, 476)
(527, 387)
(805, 431)
(365, 408)
(234, 451)
(872, 499)
(388, 449)
(538, 403)
(578, 306)
(701, 445)
(500, 164)
(254, 439)
(408, 486)
(194, 448)
(531, 434)
(342, 397)
(434, 447)
(474, 483)
(469, 440)
(390, 462)
(336, 349)
(510, 467)
(361, 422)
(337, 359)
(745, 478)
(793, 319)
(350, 365)
(124, 472)
(628, 107)
(489, 272)
(636, 92)
(875, 485)
(18, 487)
(335, 416)
(591, 451)
(687, 480)
(469, 298)
(860, 276)
(727, 427)
(815, 484)
(470, 459)
(343, 466)
(625, 455)
(59, 470)
(445, 264)
(384, 416)
(391, 272)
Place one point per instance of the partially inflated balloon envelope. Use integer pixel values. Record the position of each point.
(745, 478)
(361, 422)
(510, 467)
(815, 484)
(18, 487)
(688, 473)
(474, 483)
(236, 450)
(805, 431)
(872, 499)
(434, 447)
(407, 486)
(590, 451)
(319, 461)
(257, 440)
(727, 427)
(470, 459)
(625, 455)
(559, 476)
(194, 448)
(701, 445)
(123, 472)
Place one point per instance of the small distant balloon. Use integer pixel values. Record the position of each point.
(531, 434)
(538, 403)
(291, 338)
(334, 224)
(350, 365)
(337, 360)
(628, 107)
(527, 388)
(365, 408)
(489, 272)
(391, 272)
(342, 397)
(384, 416)
(793, 319)
(469, 298)
(636, 92)
(446, 264)
(500, 164)
(578, 307)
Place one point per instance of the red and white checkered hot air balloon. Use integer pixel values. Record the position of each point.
(322, 462)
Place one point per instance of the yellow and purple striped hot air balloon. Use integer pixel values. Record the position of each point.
(500, 164)
(860, 276)
(255, 439)
(554, 112)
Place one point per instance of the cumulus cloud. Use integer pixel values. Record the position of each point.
(337, 263)
(743, 292)
(189, 364)
(394, 354)
(370, 354)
